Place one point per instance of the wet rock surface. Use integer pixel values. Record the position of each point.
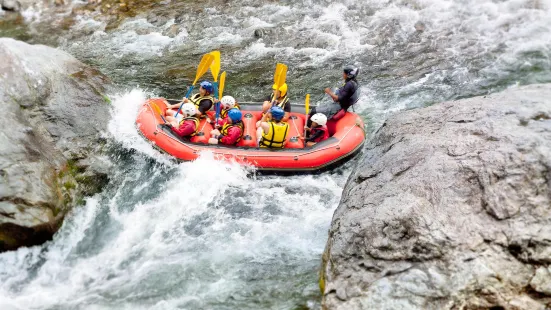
(449, 208)
(10, 5)
(53, 114)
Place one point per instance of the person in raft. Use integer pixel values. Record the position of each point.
(185, 124)
(318, 131)
(272, 130)
(203, 100)
(231, 131)
(280, 99)
(226, 104)
(343, 98)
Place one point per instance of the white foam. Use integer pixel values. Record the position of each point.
(154, 237)
(122, 126)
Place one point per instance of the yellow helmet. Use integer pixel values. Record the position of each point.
(282, 89)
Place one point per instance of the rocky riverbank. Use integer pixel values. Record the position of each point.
(449, 208)
(54, 111)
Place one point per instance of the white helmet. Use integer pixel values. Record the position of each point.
(189, 109)
(319, 118)
(228, 102)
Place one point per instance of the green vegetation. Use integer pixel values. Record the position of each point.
(72, 183)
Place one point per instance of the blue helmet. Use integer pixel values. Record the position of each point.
(234, 114)
(277, 113)
(207, 86)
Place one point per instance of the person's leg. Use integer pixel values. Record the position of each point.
(259, 132)
(172, 121)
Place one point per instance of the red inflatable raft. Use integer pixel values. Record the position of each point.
(347, 138)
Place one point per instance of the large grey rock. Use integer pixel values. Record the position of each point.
(53, 111)
(10, 5)
(449, 208)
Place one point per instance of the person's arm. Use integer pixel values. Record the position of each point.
(231, 137)
(264, 119)
(331, 94)
(265, 127)
(177, 105)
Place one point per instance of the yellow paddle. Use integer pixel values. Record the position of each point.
(277, 74)
(215, 69)
(156, 108)
(215, 65)
(203, 67)
(307, 109)
(222, 82)
(280, 75)
(307, 104)
(220, 92)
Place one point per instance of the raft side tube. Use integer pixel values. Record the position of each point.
(296, 129)
(249, 133)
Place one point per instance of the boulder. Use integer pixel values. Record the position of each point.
(10, 5)
(53, 111)
(448, 208)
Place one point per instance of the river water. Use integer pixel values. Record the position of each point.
(212, 235)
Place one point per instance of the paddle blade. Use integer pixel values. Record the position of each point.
(280, 75)
(222, 84)
(215, 65)
(277, 73)
(203, 67)
(307, 104)
(283, 76)
(156, 108)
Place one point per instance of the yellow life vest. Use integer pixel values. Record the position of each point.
(280, 104)
(224, 112)
(195, 120)
(197, 98)
(276, 135)
(227, 126)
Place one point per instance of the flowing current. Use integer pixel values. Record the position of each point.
(213, 235)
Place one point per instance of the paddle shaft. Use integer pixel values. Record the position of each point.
(156, 108)
(220, 93)
(187, 96)
(298, 133)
